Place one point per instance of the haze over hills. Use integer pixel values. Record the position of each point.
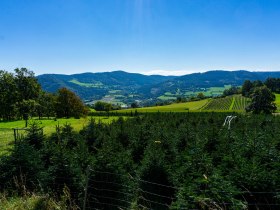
(124, 87)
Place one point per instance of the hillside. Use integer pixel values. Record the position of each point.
(236, 103)
(123, 88)
(95, 86)
(199, 82)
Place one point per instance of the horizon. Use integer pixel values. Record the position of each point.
(119, 70)
(139, 36)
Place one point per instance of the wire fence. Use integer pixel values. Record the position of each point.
(108, 190)
(112, 193)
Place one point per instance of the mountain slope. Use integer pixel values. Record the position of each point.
(217, 78)
(120, 86)
(90, 86)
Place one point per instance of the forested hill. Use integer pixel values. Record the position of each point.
(95, 86)
(215, 78)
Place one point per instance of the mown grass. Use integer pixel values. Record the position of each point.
(96, 85)
(209, 92)
(49, 126)
(277, 102)
(230, 103)
(176, 107)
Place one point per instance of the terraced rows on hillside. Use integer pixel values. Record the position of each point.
(240, 103)
(234, 103)
(219, 104)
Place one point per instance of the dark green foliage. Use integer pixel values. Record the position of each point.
(8, 99)
(102, 106)
(157, 161)
(94, 86)
(45, 105)
(18, 93)
(273, 84)
(247, 88)
(262, 101)
(126, 82)
(134, 105)
(27, 85)
(21, 170)
(69, 105)
(35, 136)
(200, 96)
(232, 91)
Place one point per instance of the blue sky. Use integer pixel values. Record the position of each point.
(145, 36)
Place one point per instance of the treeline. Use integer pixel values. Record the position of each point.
(153, 161)
(21, 97)
(248, 87)
(262, 95)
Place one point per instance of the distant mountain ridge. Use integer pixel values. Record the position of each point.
(123, 86)
(214, 78)
(92, 86)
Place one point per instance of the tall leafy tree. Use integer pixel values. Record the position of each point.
(8, 92)
(28, 90)
(273, 84)
(246, 88)
(69, 104)
(27, 84)
(46, 104)
(262, 101)
(27, 108)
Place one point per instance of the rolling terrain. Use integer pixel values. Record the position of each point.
(236, 103)
(115, 85)
(49, 127)
(123, 88)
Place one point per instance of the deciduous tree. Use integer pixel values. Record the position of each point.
(262, 101)
(68, 104)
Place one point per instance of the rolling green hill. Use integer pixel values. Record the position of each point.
(176, 107)
(95, 86)
(124, 88)
(230, 103)
(199, 82)
(49, 126)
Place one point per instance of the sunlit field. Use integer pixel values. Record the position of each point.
(49, 126)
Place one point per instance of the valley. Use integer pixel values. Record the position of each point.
(123, 88)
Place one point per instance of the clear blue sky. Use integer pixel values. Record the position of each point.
(146, 36)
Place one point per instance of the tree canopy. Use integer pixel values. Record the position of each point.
(262, 101)
(21, 96)
(68, 104)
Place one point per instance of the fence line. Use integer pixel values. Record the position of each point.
(136, 190)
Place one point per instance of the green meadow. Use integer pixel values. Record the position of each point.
(277, 102)
(49, 126)
(209, 92)
(95, 85)
(176, 107)
(235, 103)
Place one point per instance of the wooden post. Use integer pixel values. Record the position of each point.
(15, 135)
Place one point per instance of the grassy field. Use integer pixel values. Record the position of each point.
(209, 92)
(49, 126)
(277, 101)
(230, 103)
(176, 107)
(95, 85)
